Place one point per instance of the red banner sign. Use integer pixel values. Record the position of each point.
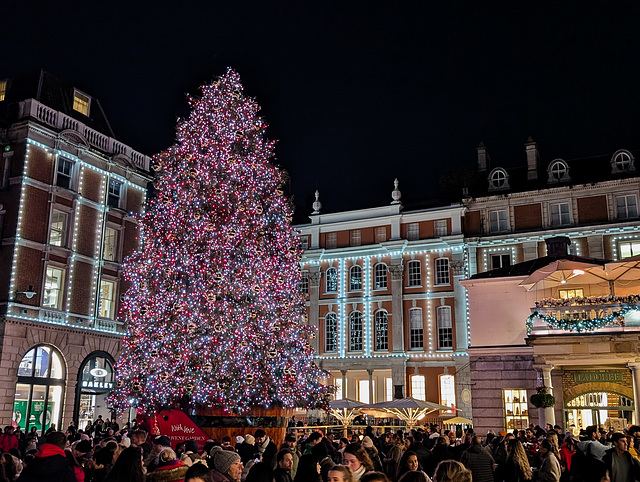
(176, 425)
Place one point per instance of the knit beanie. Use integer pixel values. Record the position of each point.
(250, 439)
(223, 459)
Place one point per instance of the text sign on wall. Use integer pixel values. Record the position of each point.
(598, 377)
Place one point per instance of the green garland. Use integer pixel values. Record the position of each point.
(581, 326)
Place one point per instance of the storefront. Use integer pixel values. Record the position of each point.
(95, 380)
(39, 393)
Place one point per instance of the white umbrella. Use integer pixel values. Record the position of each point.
(564, 271)
(409, 410)
(345, 411)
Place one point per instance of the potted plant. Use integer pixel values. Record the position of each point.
(542, 399)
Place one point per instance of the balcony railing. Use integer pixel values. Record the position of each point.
(56, 317)
(585, 314)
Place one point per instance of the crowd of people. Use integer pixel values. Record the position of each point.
(104, 452)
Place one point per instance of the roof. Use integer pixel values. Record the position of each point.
(54, 93)
(528, 267)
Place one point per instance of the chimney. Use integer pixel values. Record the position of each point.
(483, 158)
(533, 159)
(557, 246)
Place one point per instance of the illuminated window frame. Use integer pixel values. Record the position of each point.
(81, 102)
(355, 278)
(381, 320)
(3, 89)
(414, 273)
(418, 387)
(447, 391)
(416, 329)
(331, 280)
(58, 228)
(445, 328)
(628, 249)
(53, 293)
(303, 285)
(356, 327)
(107, 299)
(516, 409)
(380, 276)
(331, 332)
(443, 276)
(64, 173)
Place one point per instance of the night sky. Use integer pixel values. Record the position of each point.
(357, 93)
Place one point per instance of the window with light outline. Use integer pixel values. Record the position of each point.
(355, 278)
(414, 273)
(355, 331)
(331, 280)
(331, 332)
(380, 276)
(416, 329)
(381, 321)
(443, 276)
(445, 328)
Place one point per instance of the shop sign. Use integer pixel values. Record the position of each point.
(597, 377)
(97, 384)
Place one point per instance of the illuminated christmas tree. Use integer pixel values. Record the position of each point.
(213, 313)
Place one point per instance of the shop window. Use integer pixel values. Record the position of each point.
(418, 388)
(382, 330)
(96, 378)
(355, 278)
(38, 396)
(330, 332)
(516, 409)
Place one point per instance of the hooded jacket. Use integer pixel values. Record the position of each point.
(50, 464)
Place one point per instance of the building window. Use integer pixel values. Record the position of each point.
(416, 329)
(382, 330)
(110, 246)
(418, 389)
(381, 235)
(415, 274)
(500, 260)
(304, 242)
(38, 397)
(558, 171)
(96, 381)
(331, 280)
(413, 231)
(380, 276)
(516, 409)
(560, 215)
(448, 391)
(355, 238)
(498, 221)
(440, 228)
(339, 393)
(330, 332)
(442, 271)
(622, 161)
(65, 170)
(107, 304)
(498, 179)
(355, 331)
(303, 286)
(626, 207)
(628, 249)
(53, 286)
(363, 391)
(3, 89)
(572, 293)
(445, 328)
(388, 389)
(81, 103)
(115, 193)
(355, 278)
(57, 234)
(332, 240)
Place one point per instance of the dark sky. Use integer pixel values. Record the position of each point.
(357, 93)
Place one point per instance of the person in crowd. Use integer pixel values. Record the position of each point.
(227, 465)
(308, 469)
(168, 469)
(516, 467)
(479, 461)
(569, 447)
(190, 455)
(549, 470)
(198, 473)
(371, 449)
(104, 458)
(415, 476)
(440, 451)
(260, 472)
(290, 443)
(247, 448)
(340, 473)
(284, 460)
(390, 461)
(50, 463)
(342, 444)
(418, 448)
(621, 465)
(128, 467)
(159, 443)
(313, 439)
(9, 440)
(451, 471)
(139, 439)
(374, 477)
(326, 462)
(357, 459)
(266, 447)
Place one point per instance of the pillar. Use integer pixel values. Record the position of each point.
(397, 311)
(545, 415)
(370, 372)
(314, 276)
(344, 383)
(460, 304)
(635, 377)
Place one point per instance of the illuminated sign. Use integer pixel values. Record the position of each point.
(99, 372)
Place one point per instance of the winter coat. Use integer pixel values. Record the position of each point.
(281, 475)
(172, 472)
(217, 476)
(633, 464)
(480, 462)
(549, 469)
(50, 464)
(269, 451)
(8, 441)
(438, 454)
(246, 451)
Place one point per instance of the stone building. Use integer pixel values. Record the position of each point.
(68, 190)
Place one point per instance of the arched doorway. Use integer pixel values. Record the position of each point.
(95, 380)
(39, 394)
(603, 409)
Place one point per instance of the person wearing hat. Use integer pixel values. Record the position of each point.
(227, 466)
(158, 444)
(371, 449)
(621, 465)
(246, 449)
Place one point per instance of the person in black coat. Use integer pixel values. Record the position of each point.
(440, 451)
(419, 449)
(50, 463)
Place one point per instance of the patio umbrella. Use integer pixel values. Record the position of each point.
(564, 271)
(624, 270)
(409, 410)
(457, 421)
(345, 411)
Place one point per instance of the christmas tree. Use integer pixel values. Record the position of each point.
(213, 312)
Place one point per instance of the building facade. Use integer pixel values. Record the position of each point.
(68, 193)
(509, 215)
(382, 290)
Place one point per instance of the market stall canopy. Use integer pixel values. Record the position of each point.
(409, 410)
(565, 271)
(345, 410)
(457, 421)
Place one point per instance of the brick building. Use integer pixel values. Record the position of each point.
(68, 190)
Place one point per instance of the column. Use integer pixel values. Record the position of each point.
(545, 415)
(370, 372)
(460, 305)
(397, 317)
(399, 377)
(635, 376)
(344, 383)
(314, 276)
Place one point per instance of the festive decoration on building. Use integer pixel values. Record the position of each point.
(214, 307)
(587, 300)
(542, 399)
(582, 325)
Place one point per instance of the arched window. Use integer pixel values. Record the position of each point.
(498, 179)
(415, 274)
(40, 389)
(382, 330)
(355, 278)
(95, 380)
(355, 331)
(445, 329)
(558, 171)
(622, 161)
(442, 271)
(416, 329)
(380, 276)
(331, 280)
(331, 332)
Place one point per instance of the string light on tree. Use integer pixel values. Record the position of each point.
(213, 305)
